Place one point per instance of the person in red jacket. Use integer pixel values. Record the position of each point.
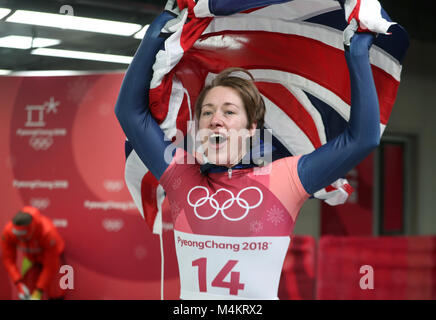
(42, 246)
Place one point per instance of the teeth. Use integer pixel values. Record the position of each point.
(217, 137)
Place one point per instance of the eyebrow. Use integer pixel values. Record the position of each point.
(225, 103)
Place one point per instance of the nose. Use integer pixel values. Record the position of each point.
(216, 121)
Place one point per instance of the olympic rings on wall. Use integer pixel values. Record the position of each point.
(41, 142)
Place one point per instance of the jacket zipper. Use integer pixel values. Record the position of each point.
(230, 173)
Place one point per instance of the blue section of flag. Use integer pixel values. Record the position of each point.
(333, 122)
(127, 148)
(227, 7)
(395, 44)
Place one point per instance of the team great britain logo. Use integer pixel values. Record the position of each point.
(41, 138)
(244, 201)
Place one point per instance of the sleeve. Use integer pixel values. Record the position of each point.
(9, 256)
(50, 262)
(362, 134)
(132, 107)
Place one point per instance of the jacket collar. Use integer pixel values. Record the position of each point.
(254, 158)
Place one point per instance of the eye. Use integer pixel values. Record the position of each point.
(230, 112)
(206, 113)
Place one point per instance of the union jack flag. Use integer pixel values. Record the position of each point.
(294, 49)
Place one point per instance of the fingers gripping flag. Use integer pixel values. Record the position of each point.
(294, 49)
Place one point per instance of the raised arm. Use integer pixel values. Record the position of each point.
(132, 107)
(362, 134)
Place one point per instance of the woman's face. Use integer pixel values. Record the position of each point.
(223, 126)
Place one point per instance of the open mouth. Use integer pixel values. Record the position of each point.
(217, 139)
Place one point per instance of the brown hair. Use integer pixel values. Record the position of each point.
(247, 90)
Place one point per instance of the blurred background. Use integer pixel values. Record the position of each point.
(64, 82)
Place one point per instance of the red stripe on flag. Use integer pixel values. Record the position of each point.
(190, 4)
(253, 9)
(281, 97)
(159, 99)
(269, 50)
(148, 195)
(289, 53)
(192, 31)
(387, 88)
(330, 188)
(183, 116)
(355, 13)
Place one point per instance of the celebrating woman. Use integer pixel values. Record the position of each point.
(233, 216)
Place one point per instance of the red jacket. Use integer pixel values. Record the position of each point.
(45, 247)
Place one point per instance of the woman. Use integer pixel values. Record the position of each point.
(232, 219)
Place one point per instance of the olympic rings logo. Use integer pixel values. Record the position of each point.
(40, 203)
(41, 142)
(113, 225)
(113, 185)
(226, 205)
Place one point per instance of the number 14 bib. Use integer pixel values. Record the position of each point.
(219, 267)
